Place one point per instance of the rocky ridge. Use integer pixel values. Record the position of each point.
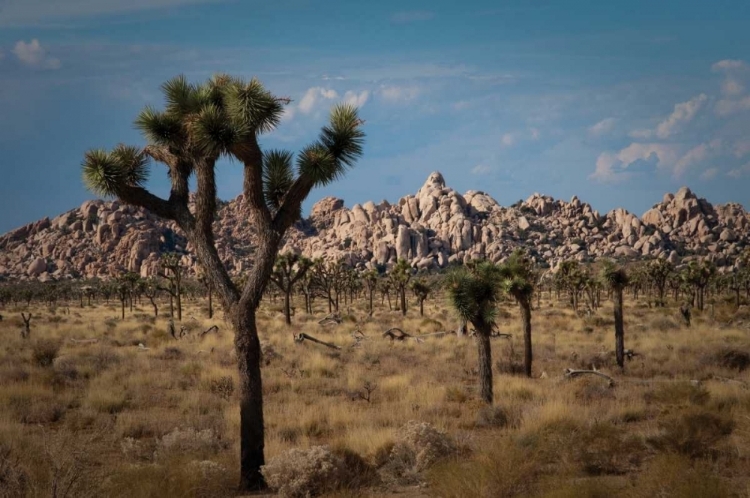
(431, 229)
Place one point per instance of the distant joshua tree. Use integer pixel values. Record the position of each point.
(518, 281)
(474, 292)
(287, 271)
(616, 278)
(200, 124)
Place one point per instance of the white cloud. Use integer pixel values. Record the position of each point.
(729, 65)
(604, 126)
(412, 16)
(613, 167)
(393, 93)
(507, 140)
(726, 107)
(641, 134)
(356, 99)
(709, 173)
(33, 55)
(693, 156)
(732, 87)
(480, 169)
(683, 113)
(741, 148)
(313, 96)
(534, 133)
(35, 12)
(739, 172)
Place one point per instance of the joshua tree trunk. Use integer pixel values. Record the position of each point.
(153, 303)
(402, 291)
(484, 350)
(619, 329)
(247, 346)
(287, 307)
(210, 302)
(369, 290)
(525, 306)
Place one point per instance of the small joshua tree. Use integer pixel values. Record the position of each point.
(224, 117)
(616, 278)
(422, 290)
(399, 277)
(289, 269)
(518, 281)
(474, 293)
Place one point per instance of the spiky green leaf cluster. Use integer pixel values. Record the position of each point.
(614, 276)
(474, 292)
(107, 173)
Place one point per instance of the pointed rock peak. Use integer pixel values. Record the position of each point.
(684, 193)
(326, 206)
(435, 180)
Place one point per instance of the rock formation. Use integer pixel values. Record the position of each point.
(431, 229)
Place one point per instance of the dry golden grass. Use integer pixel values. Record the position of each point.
(113, 419)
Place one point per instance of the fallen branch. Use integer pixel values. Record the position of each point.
(302, 337)
(571, 374)
(213, 328)
(332, 318)
(396, 334)
(84, 341)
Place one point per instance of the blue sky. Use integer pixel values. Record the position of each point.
(616, 102)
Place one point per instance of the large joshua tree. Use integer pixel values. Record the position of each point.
(224, 117)
(518, 281)
(616, 278)
(474, 293)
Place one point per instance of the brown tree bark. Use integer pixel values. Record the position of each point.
(619, 328)
(525, 305)
(252, 443)
(484, 350)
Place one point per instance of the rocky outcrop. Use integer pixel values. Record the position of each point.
(431, 229)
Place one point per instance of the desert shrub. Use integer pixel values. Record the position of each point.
(172, 353)
(289, 434)
(13, 479)
(110, 401)
(418, 445)
(606, 449)
(190, 441)
(495, 417)
(30, 409)
(455, 394)
(222, 387)
(677, 393)
(693, 433)
(664, 324)
(306, 472)
(592, 390)
(501, 470)
(676, 475)
(731, 359)
(45, 351)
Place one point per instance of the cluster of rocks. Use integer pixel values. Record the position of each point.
(431, 229)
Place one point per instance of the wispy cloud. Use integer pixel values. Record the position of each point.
(40, 12)
(602, 127)
(683, 113)
(393, 93)
(32, 54)
(356, 99)
(409, 16)
(313, 96)
(739, 172)
(709, 174)
(508, 140)
(729, 65)
(620, 166)
(480, 169)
